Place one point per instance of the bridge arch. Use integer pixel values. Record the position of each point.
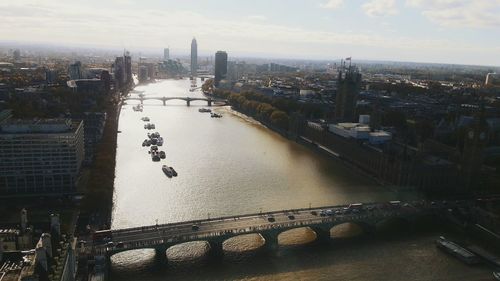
(297, 236)
(188, 251)
(349, 230)
(245, 243)
(137, 252)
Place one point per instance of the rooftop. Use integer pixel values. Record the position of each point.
(36, 126)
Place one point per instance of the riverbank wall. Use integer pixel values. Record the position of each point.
(98, 201)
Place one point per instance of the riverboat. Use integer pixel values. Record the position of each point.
(167, 170)
(457, 251)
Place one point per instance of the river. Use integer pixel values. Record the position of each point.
(233, 165)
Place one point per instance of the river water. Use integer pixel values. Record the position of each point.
(233, 165)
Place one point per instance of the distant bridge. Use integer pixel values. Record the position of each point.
(268, 225)
(188, 100)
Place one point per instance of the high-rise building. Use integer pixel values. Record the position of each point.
(75, 70)
(128, 69)
(194, 57)
(122, 70)
(17, 55)
(220, 66)
(119, 72)
(348, 87)
(166, 54)
(40, 156)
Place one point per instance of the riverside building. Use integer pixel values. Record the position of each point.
(40, 156)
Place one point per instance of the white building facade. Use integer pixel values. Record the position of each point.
(40, 156)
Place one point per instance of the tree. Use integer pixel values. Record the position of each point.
(280, 119)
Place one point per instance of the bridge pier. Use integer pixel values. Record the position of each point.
(322, 234)
(216, 249)
(164, 102)
(209, 101)
(271, 240)
(161, 253)
(188, 101)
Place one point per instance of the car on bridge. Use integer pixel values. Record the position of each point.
(195, 227)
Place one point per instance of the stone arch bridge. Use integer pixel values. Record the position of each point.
(268, 225)
(188, 100)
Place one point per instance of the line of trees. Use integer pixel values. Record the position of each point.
(262, 111)
(289, 106)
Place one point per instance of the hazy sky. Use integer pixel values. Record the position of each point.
(451, 31)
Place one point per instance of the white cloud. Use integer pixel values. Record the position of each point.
(257, 18)
(460, 13)
(332, 4)
(153, 27)
(378, 8)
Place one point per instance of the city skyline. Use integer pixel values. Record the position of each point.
(451, 31)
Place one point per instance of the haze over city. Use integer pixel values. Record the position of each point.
(312, 140)
(443, 31)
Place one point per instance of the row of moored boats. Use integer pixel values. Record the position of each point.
(154, 141)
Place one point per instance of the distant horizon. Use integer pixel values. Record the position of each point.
(460, 32)
(175, 53)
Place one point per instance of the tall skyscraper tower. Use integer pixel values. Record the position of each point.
(128, 69)
(166, 54)
(194, 58)
(348, 86)
(220, 66)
